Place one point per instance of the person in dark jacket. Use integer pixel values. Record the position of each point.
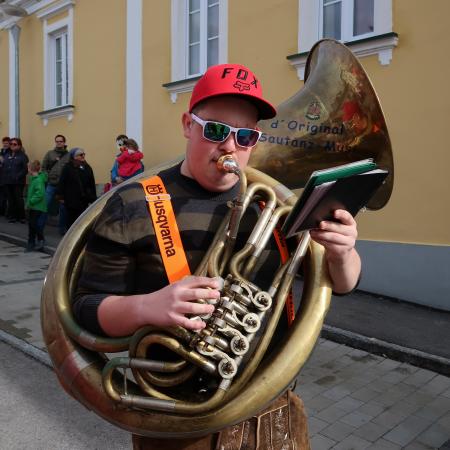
(120, 144)
(15, 169)
(4, 152)
(53, 165)
(76, 188)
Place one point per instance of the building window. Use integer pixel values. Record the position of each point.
(203, 32)
(346, 20)
(363, 17)
(199, 40)
(331, 19)
(60, 69)
(58, 59)
(364, 25)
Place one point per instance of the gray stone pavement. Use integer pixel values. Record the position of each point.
(36, 415)
(354, 399)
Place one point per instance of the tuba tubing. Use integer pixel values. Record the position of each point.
(78, 356)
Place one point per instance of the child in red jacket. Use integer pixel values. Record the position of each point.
(130, 160)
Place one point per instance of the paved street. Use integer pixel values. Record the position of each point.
(355, 400)
(37, 415)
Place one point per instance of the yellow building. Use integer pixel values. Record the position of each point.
(92, 69)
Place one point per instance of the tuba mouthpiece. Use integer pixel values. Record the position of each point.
(228, 164)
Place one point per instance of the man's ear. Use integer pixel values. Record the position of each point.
(187, 123)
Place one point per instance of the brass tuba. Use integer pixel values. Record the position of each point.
(144, 403)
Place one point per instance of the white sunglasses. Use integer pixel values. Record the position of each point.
(218, 132)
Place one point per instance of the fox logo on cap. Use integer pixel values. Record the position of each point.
(241, 86)
(242, 74)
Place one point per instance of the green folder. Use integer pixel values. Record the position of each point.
(325, 176)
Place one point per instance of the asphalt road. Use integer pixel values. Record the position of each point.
(37, 414)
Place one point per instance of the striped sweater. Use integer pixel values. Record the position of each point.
(122, 254)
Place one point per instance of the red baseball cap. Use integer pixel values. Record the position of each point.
(231, 79)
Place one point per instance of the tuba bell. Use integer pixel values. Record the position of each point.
(147, 402)
(334, 119)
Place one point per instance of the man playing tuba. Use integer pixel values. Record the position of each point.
(124, 284)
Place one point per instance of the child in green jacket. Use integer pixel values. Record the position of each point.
(37, 205)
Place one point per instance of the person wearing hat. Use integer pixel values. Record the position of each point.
(76, 187)
(124, 284)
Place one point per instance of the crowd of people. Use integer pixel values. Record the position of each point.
(63, 184)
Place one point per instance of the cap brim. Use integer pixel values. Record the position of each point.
(265, 109)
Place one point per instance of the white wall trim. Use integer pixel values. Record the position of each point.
(46, 8)
(178, 35)
(45, 61)
(134, 84)
(70, 56)
(308, 24)
(63, 23)
(8, 22)
(181, 87)
(12, 86)
(383, 47)
(62, 111)
(54, 8)
(383, 16)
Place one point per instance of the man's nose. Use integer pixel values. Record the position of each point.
(229, 144)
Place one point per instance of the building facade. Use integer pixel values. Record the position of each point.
(93, 69)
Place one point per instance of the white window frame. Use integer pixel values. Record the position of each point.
(50, 33)
(347, 17)
(53, 84)
(180, 80)
(203, 42)
(310, 31)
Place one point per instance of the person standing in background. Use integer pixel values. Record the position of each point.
(53, 164)
(4, 152)
(130, 160)
(15, 169)
(76, 187)
(36, 205)
(120, 144)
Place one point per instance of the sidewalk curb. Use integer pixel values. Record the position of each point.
(386, 349)
(23, 243)
(29, 350)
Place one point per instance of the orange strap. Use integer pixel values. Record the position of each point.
(169, 239)
(166, 229)
(284, 254)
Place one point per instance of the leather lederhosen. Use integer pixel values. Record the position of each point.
(281, 426)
